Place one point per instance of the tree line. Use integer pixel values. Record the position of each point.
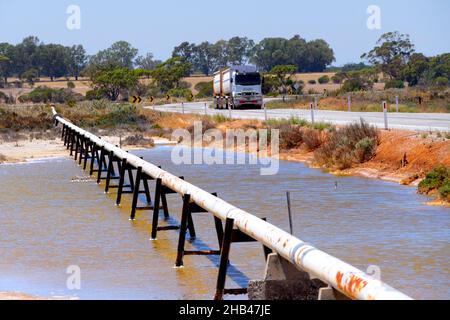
(32, 58)
(394, 57)
(312, 56)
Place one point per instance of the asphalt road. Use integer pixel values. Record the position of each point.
(408, 121)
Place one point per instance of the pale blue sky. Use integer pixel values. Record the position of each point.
(157, 26)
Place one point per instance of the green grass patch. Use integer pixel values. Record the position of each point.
(437, 179)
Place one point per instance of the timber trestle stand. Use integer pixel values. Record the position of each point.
(116, 168)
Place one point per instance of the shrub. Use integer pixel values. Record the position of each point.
(441, 81)
(311, 138)
(290, 136)
(205, 89)
(179, 92)
(352, 85)
(312, 81)
(95, 94)
(324, 79)
(435, 179)
(395, 84)
(444, 190)
(337, 78)
(354, 143)
(138, 140)
(43, 94)
(70, 85)
(30, 118)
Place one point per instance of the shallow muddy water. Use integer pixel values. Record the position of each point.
(50, 222)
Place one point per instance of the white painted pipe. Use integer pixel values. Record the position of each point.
(342, 276)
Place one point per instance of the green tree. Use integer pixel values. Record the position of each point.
(440, 66)
(76, 60)
(26, 55)
(186, 51)
(203, 58)
(391, 53)
(283, 74)
(147, 62)
(317, 55)
(120, 55)
(415, 68)
(167, 75)
(313, 56)
(112, 82)
(7, 66)
(31, 76)
(270, 52)
(239, 49)
(52, 60)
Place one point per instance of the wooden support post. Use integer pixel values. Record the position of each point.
(121, 181)
(94, 153)
(156, 208)
(69, 140)
(66, 136)
(187, 223)
(231, 235)
(62, 131)
(76, 141)
(136, 193)
(160, 195)
(140, 176)
(86, 153)
(100, 164)
(82, 148)
(109, 170)
(224, 254)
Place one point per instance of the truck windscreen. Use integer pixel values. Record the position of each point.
(249, 79)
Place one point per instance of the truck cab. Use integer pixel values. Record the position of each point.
(238, 86)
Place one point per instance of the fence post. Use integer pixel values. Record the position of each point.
(265, 112)
(311, 106)
(385, 115)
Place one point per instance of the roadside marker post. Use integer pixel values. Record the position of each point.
(206, 110)
(182, 107)
(311, 106)
(396, 103)
(385, 115)
(349, 101)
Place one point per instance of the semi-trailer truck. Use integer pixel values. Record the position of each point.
(237, 86)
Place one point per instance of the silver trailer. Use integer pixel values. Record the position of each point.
(237, 86)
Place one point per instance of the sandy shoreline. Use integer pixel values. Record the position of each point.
(39, 149)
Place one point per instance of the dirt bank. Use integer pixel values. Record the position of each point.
(401, 156)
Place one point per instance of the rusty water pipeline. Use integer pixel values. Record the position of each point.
(341, 276)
